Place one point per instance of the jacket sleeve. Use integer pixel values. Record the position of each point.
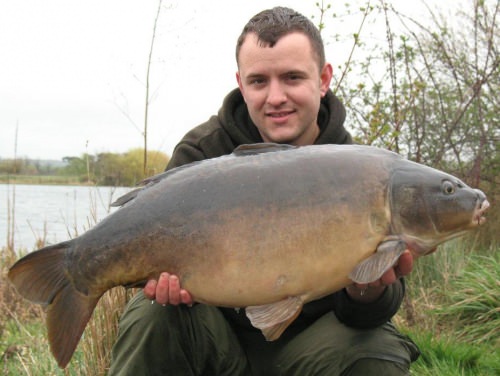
(369, 315)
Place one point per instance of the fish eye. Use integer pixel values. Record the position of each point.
(448, 187)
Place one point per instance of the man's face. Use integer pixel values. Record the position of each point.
(282, 87)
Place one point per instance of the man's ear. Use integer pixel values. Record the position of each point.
(326, 78)
(238, 79)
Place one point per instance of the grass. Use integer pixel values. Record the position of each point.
(473, 302)
(445, 356)
(452, 311)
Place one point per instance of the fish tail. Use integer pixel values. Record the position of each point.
(42, 278)
(67, 316)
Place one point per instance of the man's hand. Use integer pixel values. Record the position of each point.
(167, 290)
(370, 292)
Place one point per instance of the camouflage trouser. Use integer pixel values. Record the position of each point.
(158, 340)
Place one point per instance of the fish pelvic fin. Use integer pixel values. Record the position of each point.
(41, 277)
(272, 319)
(375, 266)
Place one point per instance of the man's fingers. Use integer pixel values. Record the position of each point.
(389, 277)
(174, 290)
(167, 290)
(186, 297)
(150, 289)
(162, 289)
(405, 264)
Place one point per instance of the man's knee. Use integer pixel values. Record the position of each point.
(329, 347)
(178, 340)
(376, 367)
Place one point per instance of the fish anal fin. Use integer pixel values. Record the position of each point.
(67, 316)
(274, 332)
(375, 266)
(272, 319)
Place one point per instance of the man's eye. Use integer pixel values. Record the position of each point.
(257, 81)
(293, 77)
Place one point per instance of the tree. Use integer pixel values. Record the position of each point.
(126, 169)
(83, 167)
(435, 100)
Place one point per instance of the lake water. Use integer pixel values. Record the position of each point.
(55, 213)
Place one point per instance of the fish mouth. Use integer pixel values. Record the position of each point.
(479, 218)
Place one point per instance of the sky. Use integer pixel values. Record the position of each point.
(73, 73)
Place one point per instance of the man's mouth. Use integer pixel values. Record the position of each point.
(279, 114)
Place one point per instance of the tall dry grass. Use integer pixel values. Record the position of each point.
(101, 332)
(23, 334)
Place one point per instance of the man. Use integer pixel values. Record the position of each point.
(283, 96)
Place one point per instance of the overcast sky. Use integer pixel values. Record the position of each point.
(72, 72)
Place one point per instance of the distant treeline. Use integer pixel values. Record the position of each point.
(111, 169)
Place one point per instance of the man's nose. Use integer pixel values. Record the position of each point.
(276, 95)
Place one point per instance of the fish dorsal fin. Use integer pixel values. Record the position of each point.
(242, 150)
(375, 266)
(272, 319)
(263, 147)
(148, 182)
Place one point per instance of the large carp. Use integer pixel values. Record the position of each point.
(269, 227)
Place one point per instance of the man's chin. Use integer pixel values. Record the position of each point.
(281, 138)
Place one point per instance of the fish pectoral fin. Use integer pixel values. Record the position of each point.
(272, 319)
(375, 266)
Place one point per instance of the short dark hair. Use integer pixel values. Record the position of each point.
(272, 24)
